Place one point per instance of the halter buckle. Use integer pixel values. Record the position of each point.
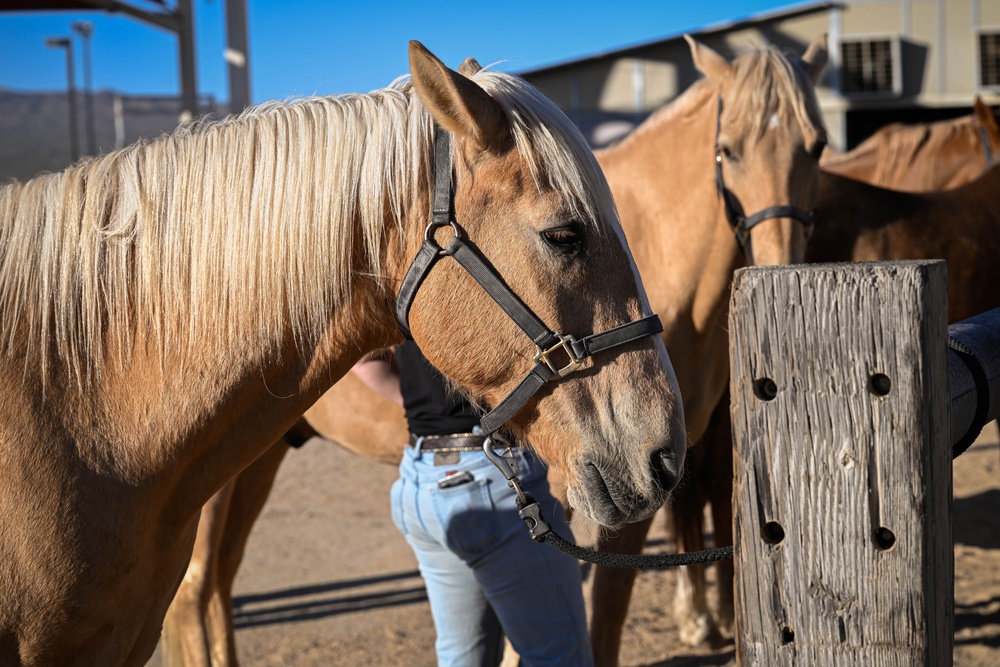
(566, 345)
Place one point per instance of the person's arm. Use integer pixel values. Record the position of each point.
(379, 372)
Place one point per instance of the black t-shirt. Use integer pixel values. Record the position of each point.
(432, 407)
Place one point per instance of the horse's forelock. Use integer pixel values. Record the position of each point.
(765, 83)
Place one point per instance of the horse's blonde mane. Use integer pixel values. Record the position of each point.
(766, 82)
(232, 233)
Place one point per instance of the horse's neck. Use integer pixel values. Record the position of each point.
(174, 427)
(663, 181)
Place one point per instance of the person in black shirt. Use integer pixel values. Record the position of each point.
(485, 577)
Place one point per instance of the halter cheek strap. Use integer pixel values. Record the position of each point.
(742, 224)
(557, 354)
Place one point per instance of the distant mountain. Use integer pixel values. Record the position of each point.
(34, 127)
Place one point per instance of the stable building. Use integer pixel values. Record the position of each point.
(890, 61)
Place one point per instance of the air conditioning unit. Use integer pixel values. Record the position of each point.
(871, 67)
(989, 59)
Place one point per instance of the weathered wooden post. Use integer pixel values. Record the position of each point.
(840, 405)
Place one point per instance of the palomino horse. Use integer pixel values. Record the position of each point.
(169, 310)
(666, 178)
(773, 137)
(923, 157)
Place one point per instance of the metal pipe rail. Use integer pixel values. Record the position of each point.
(975, 376)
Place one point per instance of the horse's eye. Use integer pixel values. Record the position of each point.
(725, 152)
(566, 238)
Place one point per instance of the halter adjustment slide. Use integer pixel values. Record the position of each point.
(566, 344)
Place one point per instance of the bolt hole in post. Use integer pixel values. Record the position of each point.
(787, 635)
(880, 384)
(772, 533)
(765, 389)
(884, 538)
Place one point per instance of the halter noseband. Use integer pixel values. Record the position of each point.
(557, 354)
(742, 224)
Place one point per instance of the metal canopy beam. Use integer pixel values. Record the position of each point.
(179, 21)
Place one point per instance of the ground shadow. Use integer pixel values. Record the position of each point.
(975, 520)
(306, 603)
(977, 615)
(717, 660)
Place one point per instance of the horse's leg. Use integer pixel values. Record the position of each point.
(720, 491)
(611, 591)
(686, 513)
(709, 479)
(252, 489)
(185, 633)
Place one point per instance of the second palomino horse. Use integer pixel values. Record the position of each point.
(169, 310)
(741, 144)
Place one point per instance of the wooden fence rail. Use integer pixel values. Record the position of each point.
(846, 401)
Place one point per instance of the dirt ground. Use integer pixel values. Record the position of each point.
(328, 580)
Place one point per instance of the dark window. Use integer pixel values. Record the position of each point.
(867, 66)
(989, 59)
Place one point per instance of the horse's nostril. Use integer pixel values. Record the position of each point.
(665, 469)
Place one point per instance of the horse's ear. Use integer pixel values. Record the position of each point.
(715, 68)
(469, 67)
(457, 104)
(986, 116)
(816, 57)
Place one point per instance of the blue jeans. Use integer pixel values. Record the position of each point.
(484, 575)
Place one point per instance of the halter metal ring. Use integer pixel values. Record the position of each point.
(433, 226)
(566, 344)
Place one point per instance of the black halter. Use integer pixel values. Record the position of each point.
(742, 224)
(557, 354)
(987, 147)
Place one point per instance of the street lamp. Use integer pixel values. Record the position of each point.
(85, 29)
(67, 43)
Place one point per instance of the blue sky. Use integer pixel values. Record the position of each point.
(300, 47)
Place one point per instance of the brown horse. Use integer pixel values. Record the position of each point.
(169, 310)
(665, 177)
(923, 157)
(765, 142)
(861, 222)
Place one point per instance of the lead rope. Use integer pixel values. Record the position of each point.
(529, 510)
(541, 531)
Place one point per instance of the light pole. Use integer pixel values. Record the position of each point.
(85, 29)
(67, 43)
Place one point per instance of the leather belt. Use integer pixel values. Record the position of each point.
(457, 442)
